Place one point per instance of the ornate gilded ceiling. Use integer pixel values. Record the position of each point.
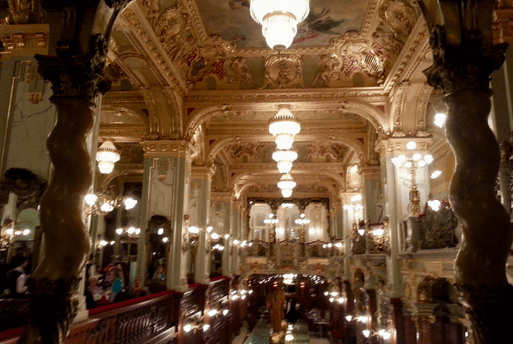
(200, 70)
(231, 20)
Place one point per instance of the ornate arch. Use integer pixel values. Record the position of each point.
(370, 112)
(200, 116)
(352, 143)
(421, 109)
(137, 113)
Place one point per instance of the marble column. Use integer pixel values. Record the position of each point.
(372, 194)
(464, 57)
(167, 166)
(347, 226)
(235, 233)
(390, 187)
(222, 202)
(201, 181)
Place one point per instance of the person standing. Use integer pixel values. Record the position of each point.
(17, 280)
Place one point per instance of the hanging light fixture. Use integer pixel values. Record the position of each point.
(286, 185)
(284, 126)
(284, 158)
(107, 155)
(279, 19)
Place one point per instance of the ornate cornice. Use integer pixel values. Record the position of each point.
(24, 40)
(155, 50)
(370, 94)
(168, 148)
(122, 133)
(125, 97)
(370, 172)
(409, 56)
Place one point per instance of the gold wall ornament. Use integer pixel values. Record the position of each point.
(25, 12)
(399, 17)
(283, 71)
(320, 150)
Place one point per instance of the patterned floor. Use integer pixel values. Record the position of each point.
(296, 334)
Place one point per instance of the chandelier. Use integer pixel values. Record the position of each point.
(412, 162)
(279, 19)
(284, 158)
(104, 203)
(284, 126)
(286, 184)
(107, 155)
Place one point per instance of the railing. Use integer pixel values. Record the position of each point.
(371, 239)
(432, 230)
(142, 320)
(288, 249)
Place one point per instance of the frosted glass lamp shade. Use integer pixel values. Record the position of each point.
(284, 155)
(284, 122)
(279, 19)
(284, 141)
(107, 155)
(286, 182)
(284, 166)
(286, 193)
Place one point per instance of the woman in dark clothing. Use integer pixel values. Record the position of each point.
(292, 313)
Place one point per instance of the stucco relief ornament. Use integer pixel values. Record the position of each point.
(283, 71)
(169, 25)
(214, 58)
(24, 12)
(399, 17)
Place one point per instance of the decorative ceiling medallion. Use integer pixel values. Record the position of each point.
(134, 61)
(283, 71)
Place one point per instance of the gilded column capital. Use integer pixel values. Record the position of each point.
(398, 145)
(203, 172)
(370, 172)
(221, 196)
(345, 197)
(168, 148)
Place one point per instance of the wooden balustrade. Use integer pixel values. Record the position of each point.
(216, 312)
(166, 317)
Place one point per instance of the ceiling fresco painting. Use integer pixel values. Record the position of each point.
(231, 20)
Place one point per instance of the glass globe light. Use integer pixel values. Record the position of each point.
(130, 203)
(106, 207)
(284, 122)
(284, 166)
(107, 155)
(411, 145)
(284, 141)
(284, 155)
(90, 199)
(279, 19)
(286, 182)
(286, 193)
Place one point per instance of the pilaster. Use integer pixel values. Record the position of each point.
(167, 169)
(224, 201)
(201, 179)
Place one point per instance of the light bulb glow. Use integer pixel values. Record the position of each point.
(286, 193)
(130, 203)
(214, 236)
(349, 318)
(165, 239)
(90, 199)
(187, 328)
(107, 155)
(284, 155)
(284, 141)
(436, 174)
(119, 231)
(366, 333)
(26, 232)
(440, 119)
(434, 204)
(411, 145)
(160, 231)
(284, 166)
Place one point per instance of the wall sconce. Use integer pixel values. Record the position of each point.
(103, 203)
(190, 238)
